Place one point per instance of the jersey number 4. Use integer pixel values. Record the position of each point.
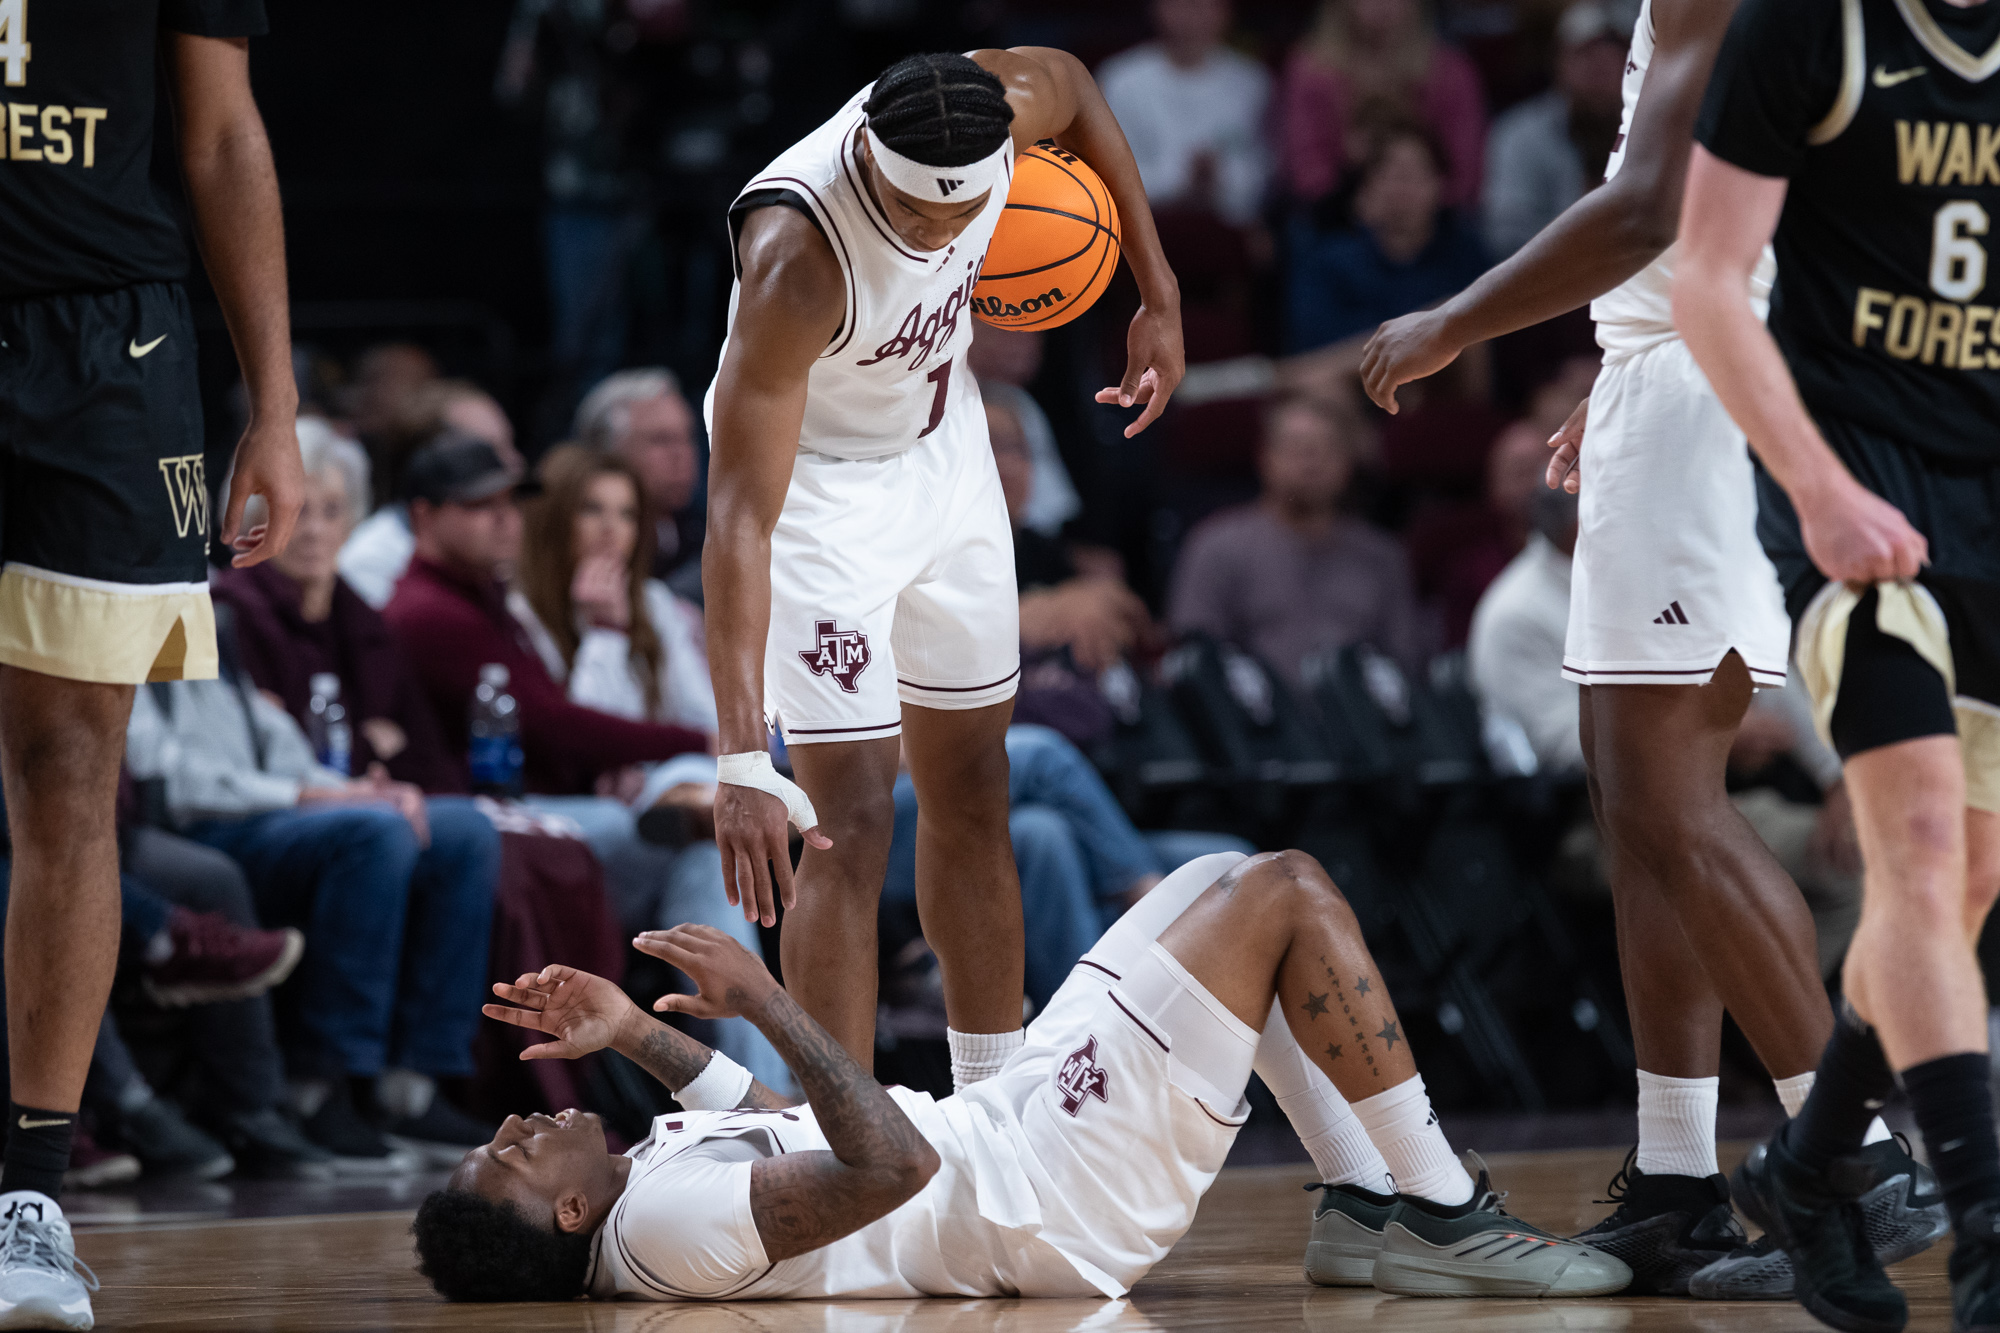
(14, 49)
(1958, 262)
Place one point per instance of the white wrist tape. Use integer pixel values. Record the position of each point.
(718, 1087)
(754, 770)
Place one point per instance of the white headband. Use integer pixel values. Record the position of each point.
(942, 185)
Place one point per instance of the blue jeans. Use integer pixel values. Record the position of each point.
(655, 888)
(396, 933)
(1075, 848)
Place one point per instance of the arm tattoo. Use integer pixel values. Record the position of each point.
(802, 1201)
(677, 1059)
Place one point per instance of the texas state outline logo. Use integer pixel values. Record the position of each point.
(839, 653)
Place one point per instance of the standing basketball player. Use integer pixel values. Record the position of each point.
(1863, 136)
(1675, 614)
(859, 564)
(104, 524)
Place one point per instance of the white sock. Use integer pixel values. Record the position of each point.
(1333, 1136)
(1405, 1131)
(979, 1055)
(1677, 1125)
(1793, 1091)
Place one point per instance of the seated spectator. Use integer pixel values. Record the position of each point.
(377, 399)
(1516, 647)
(641, 416)
(395, 893)
(1005, 362)
(1194, 112)
(1291, 575)
(378, 550)
(1546, 152)
(1366, 63)
(1082, 863)
(1405, 250)
(453, 615)
(297, 617)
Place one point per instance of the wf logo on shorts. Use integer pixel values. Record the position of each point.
(839, 653)
(1081, 1076)
(187, 493)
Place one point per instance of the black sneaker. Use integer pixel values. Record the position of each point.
(1975, 1271)
(267, 1146)
(1815, 1216)
(1476, 1249)
(1346, 1235)
(1666, 1228)
(168, 1146)
(358, 1148)
(1903, 1215)
(442, 1135)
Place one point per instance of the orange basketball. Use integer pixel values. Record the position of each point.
(1056, 246)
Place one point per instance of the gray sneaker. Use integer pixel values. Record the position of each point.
(1475, 1249)
(41, 1283)
(1346, 1235)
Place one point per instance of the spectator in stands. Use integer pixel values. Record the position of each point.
(1516, 648)
(1005, 362)
(1290, 575)
(395, 893)
(625, 645)
(1544, 153)
(1367, 64)
(297, 617)
(1194, 112)
(1405, 251)
(378, 550)
(641, 416)
(385, 376)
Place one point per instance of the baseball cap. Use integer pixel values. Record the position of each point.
(458, 469)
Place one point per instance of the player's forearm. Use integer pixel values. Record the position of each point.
(1094, 135)
(736, 587)
(239, 225)
(676, 1059)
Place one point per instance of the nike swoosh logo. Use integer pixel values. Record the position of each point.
(138, 349)
(42, 1124)
(1884, 79)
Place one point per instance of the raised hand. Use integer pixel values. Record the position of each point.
(729, 980)
(584, 1013)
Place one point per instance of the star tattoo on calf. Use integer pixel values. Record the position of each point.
(1315, 1005)
(1332, 1051)
(1388, 1035)
(1361, 986)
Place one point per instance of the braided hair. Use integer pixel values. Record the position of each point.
(942, 110)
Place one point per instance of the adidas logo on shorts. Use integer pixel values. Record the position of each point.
(1673, 615)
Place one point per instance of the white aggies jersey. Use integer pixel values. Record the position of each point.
(1640, 313)
(894, 371)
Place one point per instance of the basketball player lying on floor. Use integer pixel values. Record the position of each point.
(1069, 1173)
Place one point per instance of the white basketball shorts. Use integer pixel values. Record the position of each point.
(1669, 575)
(892, 582)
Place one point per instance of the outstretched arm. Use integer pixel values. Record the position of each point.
(1054, 97)
(878, 1161)
(239, 224)
(586, 1013)
(1599, 241)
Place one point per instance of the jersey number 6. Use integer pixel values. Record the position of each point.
(940, 377)
(1958, 263)
(14, 49)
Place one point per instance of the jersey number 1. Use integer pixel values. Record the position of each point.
(940, 377)
(14, 49)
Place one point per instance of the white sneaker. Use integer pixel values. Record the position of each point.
(41, 1283)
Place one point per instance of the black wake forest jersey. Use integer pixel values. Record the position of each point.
(1885, 117)
(78, 208)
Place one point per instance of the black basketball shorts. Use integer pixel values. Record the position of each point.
(1899, 662)
(104, 505)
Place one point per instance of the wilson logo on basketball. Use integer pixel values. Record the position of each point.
(1082, 1077)
(839, 653)
(995, 308)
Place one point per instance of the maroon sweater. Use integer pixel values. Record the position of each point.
(451, 625)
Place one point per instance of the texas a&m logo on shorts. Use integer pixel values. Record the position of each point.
(839, 653)
(1081, 1076)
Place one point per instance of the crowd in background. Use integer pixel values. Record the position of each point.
(324, 874)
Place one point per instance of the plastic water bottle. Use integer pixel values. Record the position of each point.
(327, 726)
(496, 735)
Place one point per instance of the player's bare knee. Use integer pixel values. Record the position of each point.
(861, 821)
(1294, 878)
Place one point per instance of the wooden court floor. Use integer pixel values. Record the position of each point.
(1237, 1269)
